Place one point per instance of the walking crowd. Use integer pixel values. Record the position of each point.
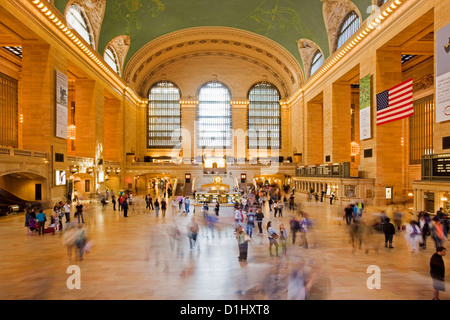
(275, 219)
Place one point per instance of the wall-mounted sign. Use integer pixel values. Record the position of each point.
(443, 74)
(60, 178)
(62, 84)
(365, 94)
(389, 193)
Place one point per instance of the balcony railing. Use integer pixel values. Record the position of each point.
(332, 170)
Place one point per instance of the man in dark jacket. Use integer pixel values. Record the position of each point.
(348, 214)
(437, 271)
(389, 231)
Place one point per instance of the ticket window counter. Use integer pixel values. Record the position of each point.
(228, 198)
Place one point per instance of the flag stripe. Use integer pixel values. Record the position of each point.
(402, 111)
(395, 103)
(395, 109)
(396, 118)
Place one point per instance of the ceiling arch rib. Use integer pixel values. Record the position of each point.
(237, 46)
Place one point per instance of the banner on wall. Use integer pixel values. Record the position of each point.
(443, 74)
(365, 90)
(62, 84)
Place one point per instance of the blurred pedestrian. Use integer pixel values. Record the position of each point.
(205, 209)
(305, 224)
(67, 211)
(81, 241)
(125, 207)
(273, 236)
(217, 208)
(348, 214)
(413, 236)
(163, 207)
(398, 219)
(437, 233)
(242, 243)
(79, 212)
(41, 218)
(113, 200)
(250, 223)
(259, 218)
(437, 271)
(69, 238)
(193, 230)
(389, 231)
(424, 226)
(174, 206)
(157, 208)
(283, 238)
(280, 209)
(295, 227)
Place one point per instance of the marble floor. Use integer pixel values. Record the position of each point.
(135, 258)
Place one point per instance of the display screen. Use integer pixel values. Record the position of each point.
(60, 178)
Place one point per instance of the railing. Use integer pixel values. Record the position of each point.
(23, 153)
(334, 170)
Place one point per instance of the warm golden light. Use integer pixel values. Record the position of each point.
(354, 148)
(72, 132)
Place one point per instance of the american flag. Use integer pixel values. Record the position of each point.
(395, 103)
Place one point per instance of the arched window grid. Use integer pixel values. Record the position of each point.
(264, 117)
(348, 28)
(317, 62)
(214, 128)
(164, 116)
(112, 60)
(77, 19)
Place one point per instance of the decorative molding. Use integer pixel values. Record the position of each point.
(95, 11)
(307, 49)
(121, 45)
(424, 83)
(215, 39)
(334, 12)
(145, 83)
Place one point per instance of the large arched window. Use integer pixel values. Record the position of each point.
(264, 117)
(77, 19)
(348, 28)
(110, 57)
(317, 62)
(164, 116)
(214, 116)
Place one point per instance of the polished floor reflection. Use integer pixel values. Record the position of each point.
(135, 258)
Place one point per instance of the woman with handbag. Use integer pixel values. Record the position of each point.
(242, 239)
(273, 236)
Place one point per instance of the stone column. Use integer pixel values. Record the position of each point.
(239, 122)
(189, 128)
(314, 133)
(388, 150)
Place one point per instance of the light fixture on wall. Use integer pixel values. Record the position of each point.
(354, 148)
(74, 168)
(72, 132)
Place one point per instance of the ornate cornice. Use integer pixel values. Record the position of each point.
(307, 49)
(145, 82)
(214, 39)
(334, 12)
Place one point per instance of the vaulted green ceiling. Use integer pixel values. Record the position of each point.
(283, 21)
